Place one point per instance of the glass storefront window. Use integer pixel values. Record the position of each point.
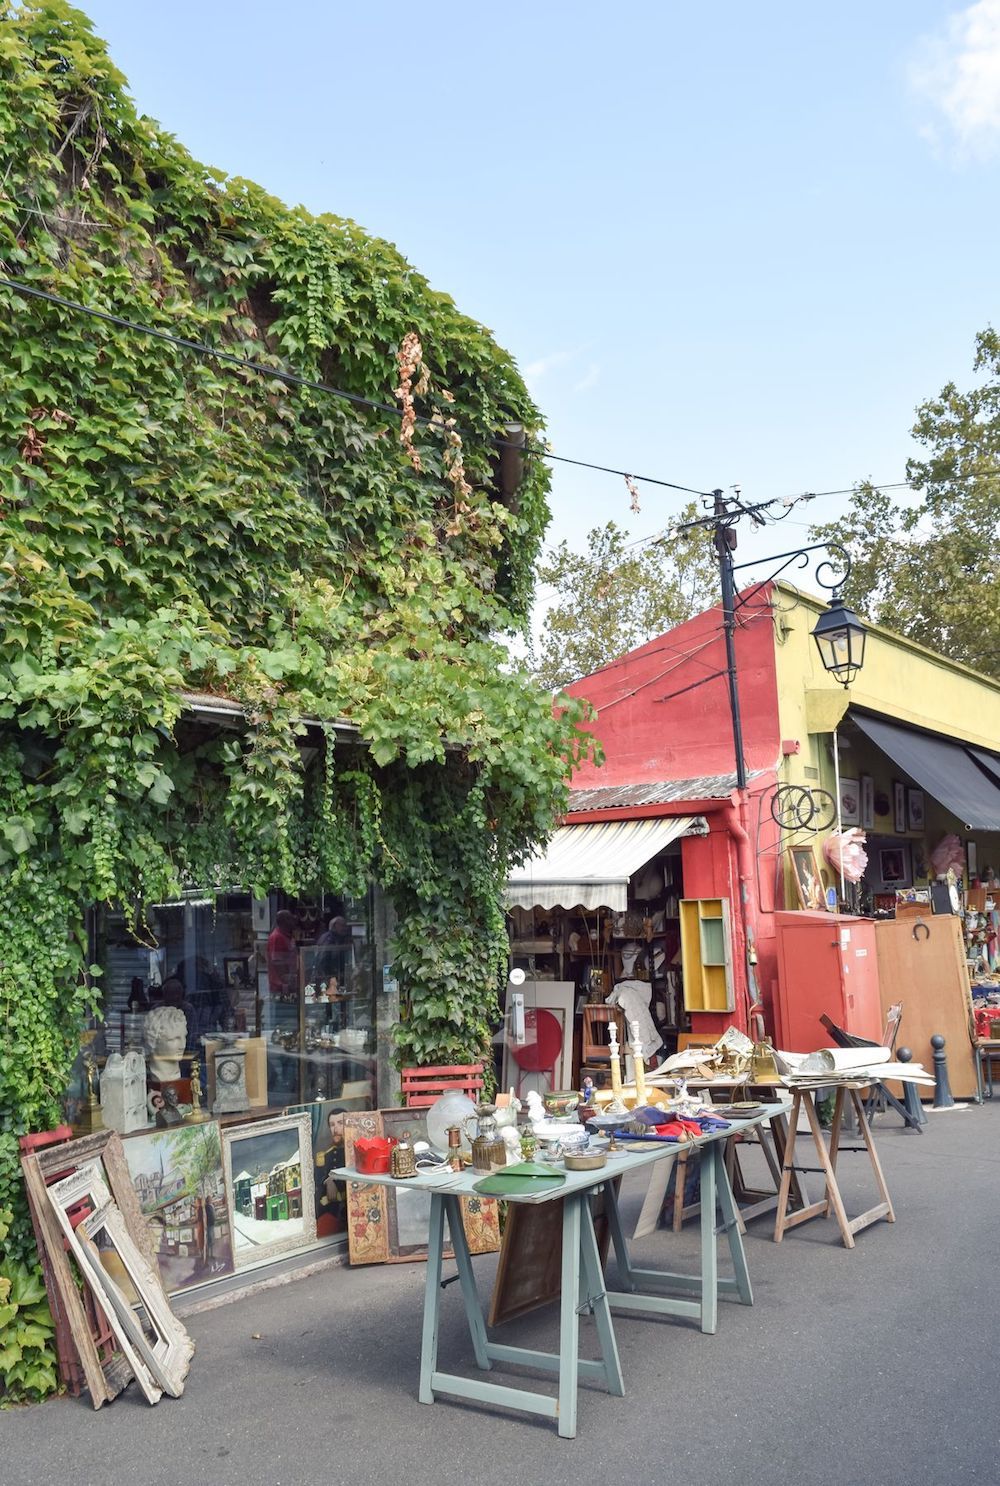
(289, 984)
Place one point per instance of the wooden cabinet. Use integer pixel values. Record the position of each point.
(921, 962)
(706, 950)
(826, 965)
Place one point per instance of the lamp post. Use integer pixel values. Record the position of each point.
(839, 633)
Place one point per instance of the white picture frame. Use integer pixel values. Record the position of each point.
(850, 801)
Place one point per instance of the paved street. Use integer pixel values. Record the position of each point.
(876, 1365)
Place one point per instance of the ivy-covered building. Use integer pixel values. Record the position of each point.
(265, 537)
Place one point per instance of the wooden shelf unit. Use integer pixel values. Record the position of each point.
(706, 952)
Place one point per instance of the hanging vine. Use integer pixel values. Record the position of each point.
(170, 524)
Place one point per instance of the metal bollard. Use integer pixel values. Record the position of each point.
(911, 1099)
(942, 1089)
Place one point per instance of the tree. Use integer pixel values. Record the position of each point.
(929, 569)
(619, 594)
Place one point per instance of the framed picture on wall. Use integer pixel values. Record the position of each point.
(894, 866)
(898, 806)
(915, 809)
(973, 860)
(850, 801)
(808, 882)
(867, 801)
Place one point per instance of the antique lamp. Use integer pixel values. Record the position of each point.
(840, 639)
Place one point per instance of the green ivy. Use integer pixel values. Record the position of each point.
(171, 524)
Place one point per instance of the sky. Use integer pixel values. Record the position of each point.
(727, 244)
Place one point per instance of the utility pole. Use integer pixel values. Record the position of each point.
(725, 545)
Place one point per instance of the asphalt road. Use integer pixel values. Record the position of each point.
(873, 1365)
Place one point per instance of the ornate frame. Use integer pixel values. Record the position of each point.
(282, 1244)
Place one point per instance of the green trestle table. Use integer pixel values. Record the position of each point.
(583, 1287)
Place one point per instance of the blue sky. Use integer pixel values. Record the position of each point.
(726, 243)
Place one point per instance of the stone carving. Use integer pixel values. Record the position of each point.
(165, 1033)
(123, 1092)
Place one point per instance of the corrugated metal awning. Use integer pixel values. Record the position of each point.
(942, 767)
(591, 864)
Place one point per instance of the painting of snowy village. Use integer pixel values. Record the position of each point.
(177, 1175)
(270, 1179)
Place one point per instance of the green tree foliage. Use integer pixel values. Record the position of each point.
(169, 523)
(618, 595)
(929, 569)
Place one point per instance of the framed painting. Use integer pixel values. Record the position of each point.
(915, 809)
(326, 1122)
(177, 1175)
(867, 802)
(388, 1225)
(894, 867)
(236, 970)
(972, 858)
(808, 883)
(850, 801)
(898, 807)
(269, 1180)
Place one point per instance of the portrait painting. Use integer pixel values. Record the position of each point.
(808, 882)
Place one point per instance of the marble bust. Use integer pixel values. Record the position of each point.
(165, 1033)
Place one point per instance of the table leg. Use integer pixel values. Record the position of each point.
(890, 1214)
(432, 1299)
(594, 1294)
(569, 1316)
(787, 1166)
(734, 1231)
(709, 1247)
(833, 1196)
(467, 1280)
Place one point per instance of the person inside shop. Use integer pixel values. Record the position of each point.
(172, 994)
(283, 957)
(334, 964)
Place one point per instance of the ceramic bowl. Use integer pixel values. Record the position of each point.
(560, 1103)
(584, 1160)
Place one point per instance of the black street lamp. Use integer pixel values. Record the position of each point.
(840, 640)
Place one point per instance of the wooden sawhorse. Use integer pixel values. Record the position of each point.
(832, 1201)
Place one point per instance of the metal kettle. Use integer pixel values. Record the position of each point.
(488, 1149)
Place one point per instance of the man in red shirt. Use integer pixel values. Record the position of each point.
(282, 957)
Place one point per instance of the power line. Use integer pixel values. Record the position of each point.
(293, 379)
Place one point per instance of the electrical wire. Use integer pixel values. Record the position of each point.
(293, 379)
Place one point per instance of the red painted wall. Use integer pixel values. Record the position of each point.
(689, 735)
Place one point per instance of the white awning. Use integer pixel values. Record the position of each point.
(591, 864)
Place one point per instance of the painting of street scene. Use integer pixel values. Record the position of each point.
(270, 1176)
(177, 1175)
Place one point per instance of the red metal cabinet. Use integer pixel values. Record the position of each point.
(827, 963)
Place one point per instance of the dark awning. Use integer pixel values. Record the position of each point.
(989, 761)
(942, 767)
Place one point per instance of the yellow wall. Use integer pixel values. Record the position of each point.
(900, 680)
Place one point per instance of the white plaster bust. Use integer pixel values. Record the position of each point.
(165, 1033)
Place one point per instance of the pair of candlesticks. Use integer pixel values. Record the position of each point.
(637, 1060)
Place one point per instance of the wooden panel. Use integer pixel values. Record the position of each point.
(926, 971)
(706, 953)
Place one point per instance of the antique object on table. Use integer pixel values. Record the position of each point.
(455, 1147)
(763, 1067)
(230, 1077)
(488, 1149)
(638, 1064)
(585, 1160)
(197, 1113)
(402, 1158)
(617, 1105)
(165, 1035)
(123, 1092)
(528, 1143)
(560, 1103)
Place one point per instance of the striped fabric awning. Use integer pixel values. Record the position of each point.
(591, 864)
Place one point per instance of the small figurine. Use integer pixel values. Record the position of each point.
(536, 1107)
(587, 1091)
(528, 1143)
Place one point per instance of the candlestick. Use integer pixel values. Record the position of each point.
(638, 1065)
